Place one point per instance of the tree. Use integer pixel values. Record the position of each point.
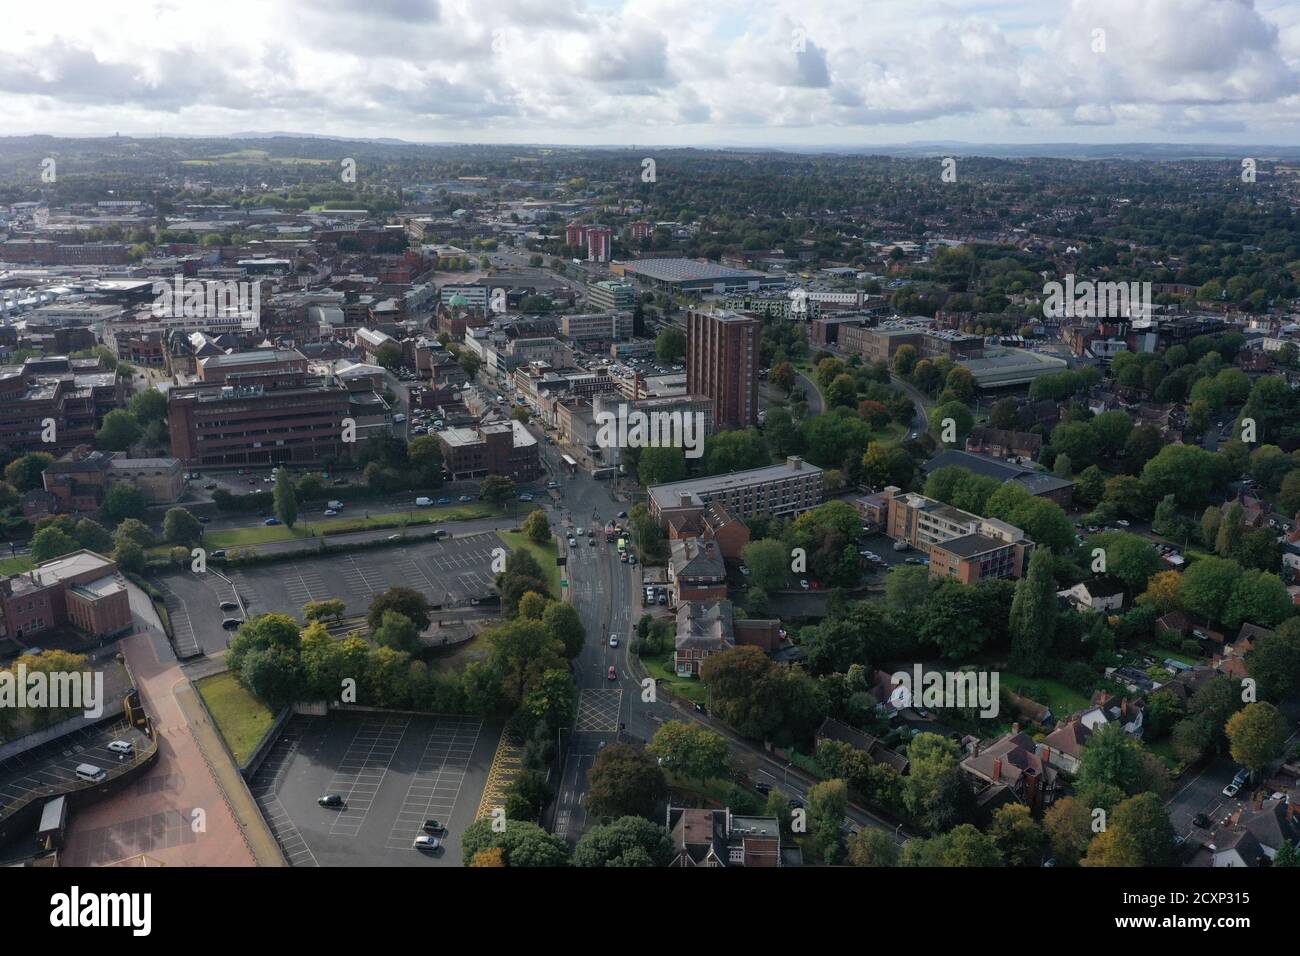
(782, 376)
(50, 543)
(1068, 824)
(497, 490)
(149, 406)
(1114, 759)
(1258, 598)
(1189, 473)
(181, 527)
(135, 530)
(1076, 439)
(285, 498)
(933, 792)
(93, 536)
(660, 465)
(537, 527)
(905, 359)
(872, 847)
(396, 631)
(670, 345)
(887, 463)
(1130, 558)
(1033, 615)
(424, 453)
(563, 623)
(1256, 735)
(1017, 835)
(828, 801)
(693, 752)
(1207, 586)
(389, 356)
(768, 561)
(407, 602)
(330, 609)
(123, 501)
(962, 421)
(625, 781)
(967, 846)
(528, 796)
(522, 844)
(1143, 824)
(119, 432)
(630, 841)
(1162, 592)
(25, 473)
(1274, 660)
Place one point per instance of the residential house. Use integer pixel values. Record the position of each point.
(721, 838)
(1063, 747)
(696, 571)
(1095, 595)
(1255, 833)
(1106, 708)
(1010, 769)
(832, 729)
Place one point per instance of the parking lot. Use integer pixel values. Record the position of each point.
(393, 771)
(448, 572)
(50, 769)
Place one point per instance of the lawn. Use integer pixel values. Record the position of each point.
(266, 534)
(1060, 698)
(242, 719)
(660, 667)
(17, 565)
(544, 553)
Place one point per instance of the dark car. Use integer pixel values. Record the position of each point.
(794, 803)
(1201, 820)
(763, 788)
(229, 606)
(332, 800)
(434, 827)
(700, 708)
(231, 623)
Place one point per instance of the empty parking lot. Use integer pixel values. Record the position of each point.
(447, 572)
(394, 771)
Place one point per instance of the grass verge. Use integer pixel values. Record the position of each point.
(242, 719)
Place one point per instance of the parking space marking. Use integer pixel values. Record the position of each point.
(363, 578)
(264, 789)
(303, 584)
(435, 786)
(598, 710)
(507, 763)
(362, 770)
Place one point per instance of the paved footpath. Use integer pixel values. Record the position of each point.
(194, 771)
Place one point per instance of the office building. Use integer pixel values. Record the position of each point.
(504, 448)
(787, 489)
(722, 356)
(612, 294)
(961, 546)
(82, 589)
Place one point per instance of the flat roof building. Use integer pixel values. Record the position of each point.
(790, 488)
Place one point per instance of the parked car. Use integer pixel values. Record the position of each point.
(229, 606)
(333, 800)
(744, 570)
(804, 585)
(231, 623)
(434, 827)
(121, 746)
(1202, 821)
(763, 788)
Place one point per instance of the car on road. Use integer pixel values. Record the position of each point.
(572, 541)
(423, 502)
(464, 498)
(579, 531)
(219, 553)
(525, 497)
(394, 537)
(271, 521)
(744, 570)
(1122, 523)
(204, 519)
(701, 708)
(229, 606)
(332, 800)
(622, 514)
(434, 827)
(613, 640)
(804, 585)
(330, 513)
(231, 623)
(444, 501)
(211, 485)
(613, 674)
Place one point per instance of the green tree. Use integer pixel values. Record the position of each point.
(828, 801)
(670, 345)
(693, 752)
(50, 543)
(1033, 615)
(497, 490)
(119, 431)
(25, 473)
(625, 781)
(537, 527)
(181, 527)
(407, 602)
(286, 498)
(872, 847)
(768, 561)
(149, 406)
(123, 501)
(1256, 735)
(630, 841)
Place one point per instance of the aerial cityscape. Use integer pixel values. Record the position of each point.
(434, 437)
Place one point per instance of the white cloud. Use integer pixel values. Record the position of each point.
(658, 70)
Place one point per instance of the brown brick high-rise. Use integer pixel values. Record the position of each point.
(722, 355)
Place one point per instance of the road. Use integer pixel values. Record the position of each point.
(608, 596)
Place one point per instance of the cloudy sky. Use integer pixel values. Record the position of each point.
(760, 72)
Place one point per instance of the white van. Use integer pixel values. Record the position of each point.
(423, 502)
(88, 771)
(121, 746)
(334, 505)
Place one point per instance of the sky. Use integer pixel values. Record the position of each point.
(659, 72)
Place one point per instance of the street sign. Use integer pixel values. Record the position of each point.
(564, 582)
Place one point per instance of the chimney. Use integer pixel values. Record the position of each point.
(997, 769)
(1015, 729)
(794, 462)
(1047, 755)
